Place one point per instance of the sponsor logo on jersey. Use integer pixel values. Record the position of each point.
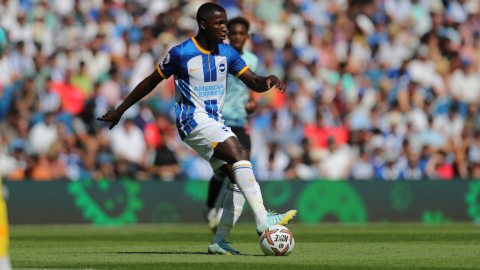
(209, 88)
(208, 91)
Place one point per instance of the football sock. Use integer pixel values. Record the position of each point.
(232, 209)
(243, 173)
(214, 188)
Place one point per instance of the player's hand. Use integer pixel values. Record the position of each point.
(111, 116)
(272, 81)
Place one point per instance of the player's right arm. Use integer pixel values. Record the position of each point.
(141, 90)
(169, 66)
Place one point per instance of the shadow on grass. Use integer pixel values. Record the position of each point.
(173, 253)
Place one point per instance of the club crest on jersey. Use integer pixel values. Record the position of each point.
(222, 67)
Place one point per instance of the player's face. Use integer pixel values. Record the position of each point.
(216, 27)
(238, 35)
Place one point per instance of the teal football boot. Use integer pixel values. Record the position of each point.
(277, 219)
(222, 248)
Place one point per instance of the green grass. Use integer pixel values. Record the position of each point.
(400, 246)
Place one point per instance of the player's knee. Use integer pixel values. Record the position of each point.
(242, 154)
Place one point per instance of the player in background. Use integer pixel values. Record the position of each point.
(200, 66)
(239, 103)
(4, 259)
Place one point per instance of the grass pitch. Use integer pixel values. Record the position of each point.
(401, 246)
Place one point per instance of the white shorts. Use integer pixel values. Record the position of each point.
(205, 137)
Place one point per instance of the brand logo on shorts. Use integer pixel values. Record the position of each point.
(225, 129)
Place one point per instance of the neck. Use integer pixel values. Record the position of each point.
(240, 51)
(203, 42)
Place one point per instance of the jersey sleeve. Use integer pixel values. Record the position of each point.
(171, 64)
(236, 65)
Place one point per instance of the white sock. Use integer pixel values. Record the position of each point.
(232, 209)
(5, 263)
(243, 173)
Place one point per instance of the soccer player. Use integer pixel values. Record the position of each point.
(200, 66)
(239, 102)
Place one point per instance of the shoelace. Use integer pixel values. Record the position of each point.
(226, 247)
(274, 215)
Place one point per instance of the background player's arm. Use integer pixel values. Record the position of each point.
(261, 84)
(141, 90)
(251, 105)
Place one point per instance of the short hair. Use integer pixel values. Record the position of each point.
(207, 10)
(238, 20)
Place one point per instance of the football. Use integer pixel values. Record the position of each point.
(3, 41)
(277, 240)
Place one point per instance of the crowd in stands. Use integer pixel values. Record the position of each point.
(376, 89)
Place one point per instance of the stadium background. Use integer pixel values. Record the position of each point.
(377, 90)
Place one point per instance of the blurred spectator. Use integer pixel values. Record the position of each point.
(439, 168)
(160, 137)
(42, 135)
(320, 133)
(337, 161)
(26, 99)
(465, 84)
(38, 169)
(110, 89)
(82, 81)
(49, 100)
(72, 98)
(269, 172)
(451, 125)
(8, 127)
(272, 163)
(362, 169)
(432, 137)
(391, 170)
(128, 142)
(413, 170)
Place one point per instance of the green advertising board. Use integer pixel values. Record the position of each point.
(130, 202)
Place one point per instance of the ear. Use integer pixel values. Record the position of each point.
(203, 25)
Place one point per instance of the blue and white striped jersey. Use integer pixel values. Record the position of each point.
(200, 81)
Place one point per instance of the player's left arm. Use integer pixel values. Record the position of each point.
(261, 84)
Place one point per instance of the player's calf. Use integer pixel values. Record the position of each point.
(243, 172)
(232, 209)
